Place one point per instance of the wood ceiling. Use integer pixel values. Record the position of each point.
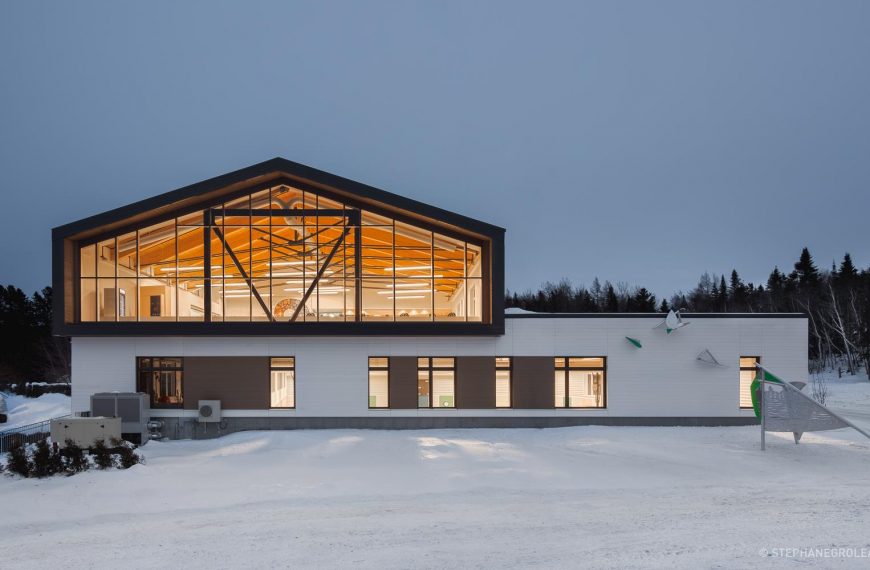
(297, 243)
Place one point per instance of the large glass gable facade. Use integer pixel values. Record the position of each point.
(282, 255)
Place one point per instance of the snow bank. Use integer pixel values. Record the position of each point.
(23, 410)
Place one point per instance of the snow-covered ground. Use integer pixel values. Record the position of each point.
(850, 397)
(597, 497)
(23, 411)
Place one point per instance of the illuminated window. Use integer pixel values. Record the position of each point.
(747, 375)
(161, 378)
(436, 382)
(282, 382)
(580, 382)
(503, 382)
(379, 382)
(282, 254)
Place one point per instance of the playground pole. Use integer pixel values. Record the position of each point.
(761, 402)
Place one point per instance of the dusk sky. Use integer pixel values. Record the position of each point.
(644, 142)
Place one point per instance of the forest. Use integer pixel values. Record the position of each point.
(28, 350)
(836, 301)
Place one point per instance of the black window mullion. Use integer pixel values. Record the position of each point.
(117, 294)
(206, 269)
(567, 384)
(344, 231)
(271, 315)
(138, 275)
(465, 277)
(432, 274)
(251, 287)
(319, 259)
(176, 280)
(304, 238)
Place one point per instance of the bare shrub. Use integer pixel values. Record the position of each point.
(819, 388)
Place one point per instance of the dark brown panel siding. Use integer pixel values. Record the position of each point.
(239, 382)
(403, 382)
(70, 289)
(532, 380)
(475, 382)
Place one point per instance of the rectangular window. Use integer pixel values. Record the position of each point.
(282, 382)
(580, 382)
(747, 375)
(503, 382)
(379, 382)
(161, 378)
(436, 382)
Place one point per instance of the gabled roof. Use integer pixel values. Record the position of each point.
(274, 171)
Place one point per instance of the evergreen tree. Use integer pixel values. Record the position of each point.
(847, 269)
(806, 271)
(722, 299)
(776, 280)
(664, 307)
(738, 292)
(597, 292)
(611, 301)
(775, 287)
(642, 302)
(28, 350)
(679, 301)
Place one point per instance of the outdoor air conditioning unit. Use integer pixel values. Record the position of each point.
(132, 407)
(209, 411)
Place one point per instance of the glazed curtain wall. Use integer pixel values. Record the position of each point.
(284, 255)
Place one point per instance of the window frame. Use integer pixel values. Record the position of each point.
(567, 368)
(431, 368)
(746, 369)
(215, 211)
(510, 370)
(273, 368)
(379, 368)
(148, 385)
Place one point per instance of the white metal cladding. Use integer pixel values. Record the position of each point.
(661, 379)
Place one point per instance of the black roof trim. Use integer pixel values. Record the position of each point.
(282, 329)
(654, 315)
(290, 168)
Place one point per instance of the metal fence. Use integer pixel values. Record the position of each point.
(30, 433)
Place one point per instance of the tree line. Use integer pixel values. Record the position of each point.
(836, 301)
(28, 351)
